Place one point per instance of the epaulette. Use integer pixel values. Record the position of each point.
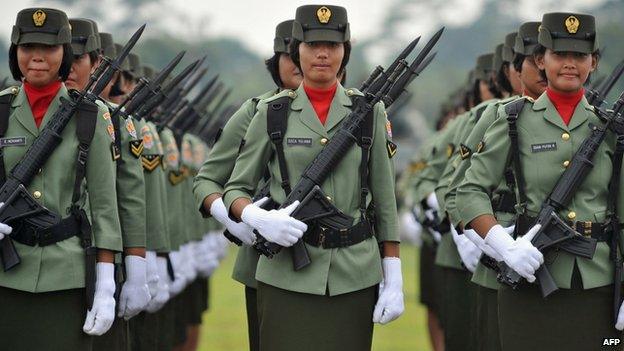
(10, 90)
(286, 92)
(353, 92)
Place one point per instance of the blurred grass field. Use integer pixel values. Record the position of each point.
(225, 324)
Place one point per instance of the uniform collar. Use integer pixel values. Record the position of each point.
(337, 111)
(26, 119)
(551, 115)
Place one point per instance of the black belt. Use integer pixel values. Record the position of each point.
(330, 238)
(598, 231)
(31, 235)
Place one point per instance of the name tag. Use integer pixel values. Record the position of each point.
(15, 141)
(543, 147)
(299, 141)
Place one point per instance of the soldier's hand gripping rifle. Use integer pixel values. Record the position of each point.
(314, 205)
(18, 203)
(555, 232)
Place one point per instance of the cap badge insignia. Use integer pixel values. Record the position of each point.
(323, 14)
(572, 24)
(39, 18)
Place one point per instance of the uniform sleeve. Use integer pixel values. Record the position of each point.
(485, 172)
(251, 162)
(382, 185)
(130, 190)
(471, 141)
(100, 177)
(218, 167)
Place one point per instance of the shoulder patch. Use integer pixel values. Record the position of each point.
(148, 138)
(151, 162)
(130, 128)
(136, 147)
(392, 148)
(480, 146)
(389, 129)
(450, 148)
(464, 151)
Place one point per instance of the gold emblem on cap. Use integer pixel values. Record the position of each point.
(323, 14)
(39, 18)
(572, 23)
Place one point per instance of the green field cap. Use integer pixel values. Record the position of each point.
(125, 65)
(108, 46)
(283, 36)
(84, 38)
(566, 31)
(526, 41)
(148, 71)
(135, 65)
(497, 60)
(321, 23)
(41, 26)
(510, 41)
(484, 66)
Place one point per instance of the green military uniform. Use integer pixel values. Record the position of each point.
(50, 280)
(546, 144)
(299, 300)
(216, 171)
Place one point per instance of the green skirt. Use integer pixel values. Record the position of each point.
(569, 319)
(43, 321)
(117, 338)
(144, 332)
(305, 322)
(458, 310)
(486, 320)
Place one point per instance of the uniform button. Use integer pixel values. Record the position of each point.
(14, 90)
(566, 163)
(349, 92)
(329, 198)
(324, 141)
(37, 194)
(571, 215)
(39, 171)
(565, 136)
(292, 94)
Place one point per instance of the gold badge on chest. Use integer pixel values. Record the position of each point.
(323, 14)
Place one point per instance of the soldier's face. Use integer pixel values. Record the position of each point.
(39, 63)
(484, 90)
(566, 71)
(289, 73)
(533, 83)
(81, 68)
(320, 62)
(514, 79)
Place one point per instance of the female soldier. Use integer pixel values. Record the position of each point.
(550, 130)
(50, 280)
(329, 304)
(218, 167)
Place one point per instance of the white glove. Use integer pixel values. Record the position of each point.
(619, 324)
(411, 230)
(468, 251)
(4, 228)
(102, 314)
(390, 304)
(432, 201)
(152, 272)
(179, 278)
(241, 230)
(277, 226)
(135, 293)
(160, 298)
(189, 261)
(210, 260)
(478, 240)
(520, 255)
